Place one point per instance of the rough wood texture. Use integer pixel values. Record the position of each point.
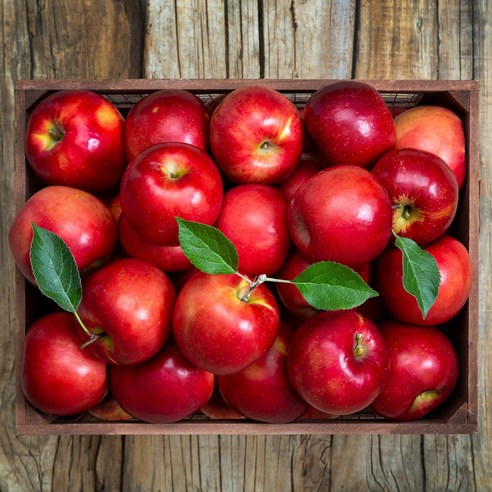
(56, 39)
(250, 39)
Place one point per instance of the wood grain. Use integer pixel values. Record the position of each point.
(56, 39)
(481, 445)
(423, 40)
(245, 39)
(301, 39)
(250, 39)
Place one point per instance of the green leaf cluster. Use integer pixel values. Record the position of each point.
(325, 285)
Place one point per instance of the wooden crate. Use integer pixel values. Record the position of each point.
(457, 415)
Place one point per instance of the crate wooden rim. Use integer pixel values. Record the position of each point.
(461, 416)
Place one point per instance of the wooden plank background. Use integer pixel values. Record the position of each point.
(119, 39)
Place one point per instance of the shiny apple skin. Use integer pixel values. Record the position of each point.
(455, 268)
(437, 130)
(90, 154)
(164, 389)
(308, 166)
(247, 119)
(349, 123)
(254, 218)
(167, 258)
(168, 115)
(342, 214)
(218, 331)
(78, 217)
(324, 368)
(131, 301)
(426, 190)
(167, 181)
(262, 391)
(423, 371)
(58, 377)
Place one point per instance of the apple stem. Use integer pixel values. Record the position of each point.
(358, 349)
(252, 286)
(92, 336)
(56, 133)
(91, 340)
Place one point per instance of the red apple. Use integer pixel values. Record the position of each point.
(168, 115)
(167, 258)
(437, 130)
(342, 214)
(423, 370)
(114, 206)
(58, 377)
(338, 362)
(453, 262)
(217, 409)
(307, 142)
(254, 218)
(313, 414)
(349, 123)
(308, 166)
(164, 389)
(219, 330)
(167, 181)
(423, 190)
(256, 135)
(76, 138)
(109, 410)
(262, 391)
(78, 217)
(129, 303)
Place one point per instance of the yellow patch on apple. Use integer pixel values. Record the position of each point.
(107, 117)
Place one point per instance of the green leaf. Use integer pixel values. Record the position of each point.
(54, 269)
(328, 285)
(207, 248)
(421, 277)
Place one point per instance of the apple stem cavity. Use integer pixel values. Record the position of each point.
(358, 349)
(56, 133)
(407, 212)
(266, 146)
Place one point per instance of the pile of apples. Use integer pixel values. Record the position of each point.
(331, 181)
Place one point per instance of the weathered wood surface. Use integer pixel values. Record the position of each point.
(248, 39)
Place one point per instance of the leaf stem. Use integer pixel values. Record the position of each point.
(244, 277)
(278, 280)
